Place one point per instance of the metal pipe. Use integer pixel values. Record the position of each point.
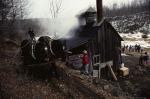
(99, 5)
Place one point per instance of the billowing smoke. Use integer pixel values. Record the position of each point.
(60, 26)
(57, 28)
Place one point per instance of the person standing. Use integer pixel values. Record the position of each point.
(141, 60)
(85, 63)
(146, 58)
(31, 34)
(119, 56)
(33, 41)
(139, 48)
(142, 49)
(130, 48)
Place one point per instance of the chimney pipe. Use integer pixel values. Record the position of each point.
(99, 4)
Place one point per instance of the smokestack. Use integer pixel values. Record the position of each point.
(99, 4)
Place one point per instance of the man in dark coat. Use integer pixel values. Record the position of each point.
(141, 60)
(31, 34)
(33, 41)
(146, 58)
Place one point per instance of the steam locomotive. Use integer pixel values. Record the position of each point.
(44, 49)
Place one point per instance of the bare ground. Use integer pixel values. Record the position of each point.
(14, 85)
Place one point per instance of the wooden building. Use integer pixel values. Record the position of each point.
(98, 37)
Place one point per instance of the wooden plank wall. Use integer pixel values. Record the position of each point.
(108, 41)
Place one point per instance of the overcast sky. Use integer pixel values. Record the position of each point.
(67, 19)
(40, 8)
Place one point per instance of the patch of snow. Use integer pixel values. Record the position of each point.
(123, 54)
(137, 35)
(136, 39)
(142, 43)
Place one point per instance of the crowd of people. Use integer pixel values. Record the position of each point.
(135, 48)
(144, 57)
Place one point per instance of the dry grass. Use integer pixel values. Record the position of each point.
(14, 86)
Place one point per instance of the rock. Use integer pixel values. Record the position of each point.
(106, 87)
(117, 92)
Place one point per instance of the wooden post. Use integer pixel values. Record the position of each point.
(99, 72)
(99, 5)
(112, 72)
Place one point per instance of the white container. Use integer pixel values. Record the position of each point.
(124, 71)
(122, 65)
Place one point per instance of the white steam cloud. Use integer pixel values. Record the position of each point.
(66, 19)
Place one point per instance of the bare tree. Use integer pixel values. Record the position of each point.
(12, 9)
(55, 8)
(23, 5)
(4, 9)
(18, 9)
(136, 6)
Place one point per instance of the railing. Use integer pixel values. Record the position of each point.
(97, 62)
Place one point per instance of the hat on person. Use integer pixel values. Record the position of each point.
(85, 51)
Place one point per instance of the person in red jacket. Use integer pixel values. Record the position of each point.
(85, 63)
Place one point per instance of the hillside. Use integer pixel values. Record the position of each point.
(132, 28)
(139, 22)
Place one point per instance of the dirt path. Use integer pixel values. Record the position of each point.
(138, 82)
